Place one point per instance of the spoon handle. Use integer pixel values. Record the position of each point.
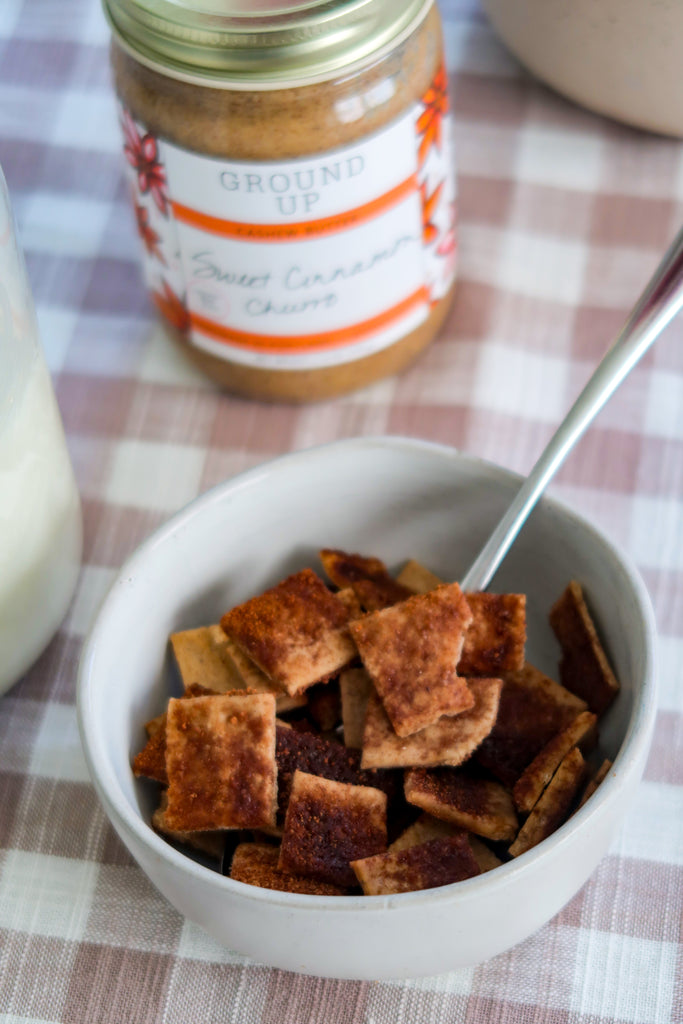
(661, 300)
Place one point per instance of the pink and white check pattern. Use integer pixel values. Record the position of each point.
(563, 217)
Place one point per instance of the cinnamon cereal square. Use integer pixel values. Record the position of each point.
(584, 668)
(256, 864)
(369, 578)
(426, 866)
(496, 637)
(315, 755)
(201, 657)
(478, 805)
(449, 741)
(554, 805)
(211, 844)
(350, 602)
(416, 578)
(323, 706)
(410, 652)
(422, 830)
(220, 762)
(533, 780)
(427, 827)
(533, 708)
(154, 724)
(328, 825)
(150, 762)
(593, 783)
(296, 632)
(355, 687)
(250, 677)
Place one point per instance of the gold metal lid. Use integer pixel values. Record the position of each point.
(262, 43)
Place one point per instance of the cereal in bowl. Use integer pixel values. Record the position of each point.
(374, 734)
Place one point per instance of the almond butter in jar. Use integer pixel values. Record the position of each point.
(291, 167)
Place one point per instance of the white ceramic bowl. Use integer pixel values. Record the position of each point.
(396, 498)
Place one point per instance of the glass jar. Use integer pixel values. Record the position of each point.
(292, 177)
(40, 512)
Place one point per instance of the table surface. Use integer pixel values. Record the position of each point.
(563, 216)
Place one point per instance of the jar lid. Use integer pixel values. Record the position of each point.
(262, 43)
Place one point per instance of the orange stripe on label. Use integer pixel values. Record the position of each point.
(299, 230)
(311, 342)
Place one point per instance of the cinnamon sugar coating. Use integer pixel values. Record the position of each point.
(150, 762)
(256, 864)
(230, 765)
(328, 825)
(554, 805)
(296, 632)
(533, 780)
(425, 866)
(533, 708)
(450, 740)
(306, 752)
(584, 667)
(368, 578)
(410, 652)
(478, 805)
(496, 637)
(220, 761)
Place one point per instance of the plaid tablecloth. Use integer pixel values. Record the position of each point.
(562, 218)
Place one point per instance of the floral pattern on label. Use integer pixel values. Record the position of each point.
(304, 263)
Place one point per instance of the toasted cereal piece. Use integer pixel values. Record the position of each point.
(355, 687)
(584, 668)
(315, 755)
(200, 657)
(211, 844)
(600, 776)
(478, 805)
(328, 825)
(410, 652)
(449, 741)
(534, 778)
(426, 828)
(220, 761)
(369, 578)
(252, 678)
(154, 724)
(533, 708)
(496, 637)
(256, 864)
(197, 690)
(296, 632)
(324, 705)
(483, 854)
(350, 602)
(427, 866)
(150, 762)
(554, 804)
(418, 579)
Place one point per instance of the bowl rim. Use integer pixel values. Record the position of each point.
(633, 748)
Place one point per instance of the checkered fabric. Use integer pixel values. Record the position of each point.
(563, 216)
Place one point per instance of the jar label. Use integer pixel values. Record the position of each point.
(304, 263)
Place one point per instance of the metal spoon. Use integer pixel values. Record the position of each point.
(661, 300)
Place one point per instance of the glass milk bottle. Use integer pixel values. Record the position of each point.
(40, 513)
